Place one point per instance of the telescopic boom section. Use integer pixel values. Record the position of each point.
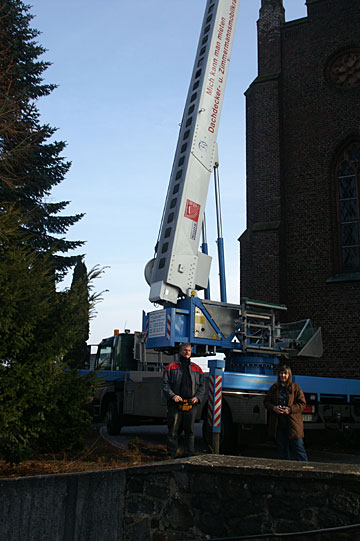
(178, 267)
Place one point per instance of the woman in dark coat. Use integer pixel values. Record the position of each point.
(285, 401)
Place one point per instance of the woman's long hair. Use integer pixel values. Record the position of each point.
(284, 368)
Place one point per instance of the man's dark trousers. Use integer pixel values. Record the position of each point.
(185, 420)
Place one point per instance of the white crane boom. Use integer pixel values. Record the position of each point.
(178, 267)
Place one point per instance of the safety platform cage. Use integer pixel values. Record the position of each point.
(259, 330)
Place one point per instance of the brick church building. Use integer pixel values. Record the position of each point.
(301, 246)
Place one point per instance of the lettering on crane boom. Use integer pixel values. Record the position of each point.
(218, 65)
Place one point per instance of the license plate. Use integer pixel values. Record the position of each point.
(307, 418)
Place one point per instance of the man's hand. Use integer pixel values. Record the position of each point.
(177, 398)
(194, 400)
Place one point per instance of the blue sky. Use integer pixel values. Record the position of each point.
(123, 68)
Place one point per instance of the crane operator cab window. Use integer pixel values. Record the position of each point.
(103, 360)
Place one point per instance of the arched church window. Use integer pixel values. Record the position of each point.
(348, 177)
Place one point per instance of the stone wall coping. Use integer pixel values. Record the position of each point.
(231, 465)
(283, 468)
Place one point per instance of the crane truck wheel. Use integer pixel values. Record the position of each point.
(113, 419)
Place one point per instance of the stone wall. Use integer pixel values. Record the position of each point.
(200, 498)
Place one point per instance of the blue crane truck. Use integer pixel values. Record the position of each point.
(131, 376)
(249, 335)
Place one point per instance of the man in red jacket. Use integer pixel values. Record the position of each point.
(184, 389)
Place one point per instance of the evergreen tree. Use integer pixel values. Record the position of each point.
(41, 400)
(30, 159)
(79, 355)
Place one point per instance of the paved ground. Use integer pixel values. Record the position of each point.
(157, 435)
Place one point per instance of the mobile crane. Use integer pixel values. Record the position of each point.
(249, 335)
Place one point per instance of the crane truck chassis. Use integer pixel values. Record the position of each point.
(130, 394)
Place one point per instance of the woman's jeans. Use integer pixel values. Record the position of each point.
(283, 444)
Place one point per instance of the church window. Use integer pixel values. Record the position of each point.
(348, 176)
(344, 69)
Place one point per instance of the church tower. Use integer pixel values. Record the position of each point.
(301, 246)
(263, 162)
